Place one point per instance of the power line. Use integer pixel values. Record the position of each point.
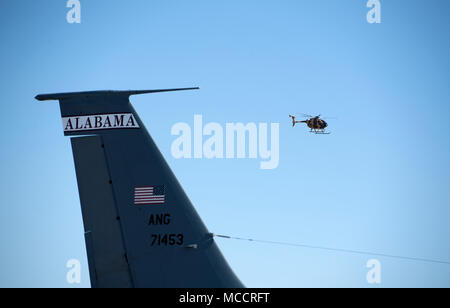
(366, 253)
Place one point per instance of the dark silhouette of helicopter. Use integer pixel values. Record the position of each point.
(316, 124)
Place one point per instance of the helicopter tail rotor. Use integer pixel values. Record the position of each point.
(293, 120)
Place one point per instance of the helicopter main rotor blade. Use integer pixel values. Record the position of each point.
(306, 115)
(330, 118)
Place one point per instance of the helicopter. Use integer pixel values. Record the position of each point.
(316, 124)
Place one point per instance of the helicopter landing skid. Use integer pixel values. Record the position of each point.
(320, 133)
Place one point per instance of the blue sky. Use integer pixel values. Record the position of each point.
(378, 183)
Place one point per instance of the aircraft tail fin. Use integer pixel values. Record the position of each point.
(141, 230)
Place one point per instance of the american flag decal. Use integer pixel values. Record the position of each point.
(149, 195)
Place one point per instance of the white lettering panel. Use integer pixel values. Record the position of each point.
(99, 122)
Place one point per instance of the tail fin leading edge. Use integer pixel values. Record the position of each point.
(141, 230)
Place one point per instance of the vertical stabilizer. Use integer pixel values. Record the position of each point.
(141, 229)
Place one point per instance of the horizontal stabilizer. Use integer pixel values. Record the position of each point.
(128, 93)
